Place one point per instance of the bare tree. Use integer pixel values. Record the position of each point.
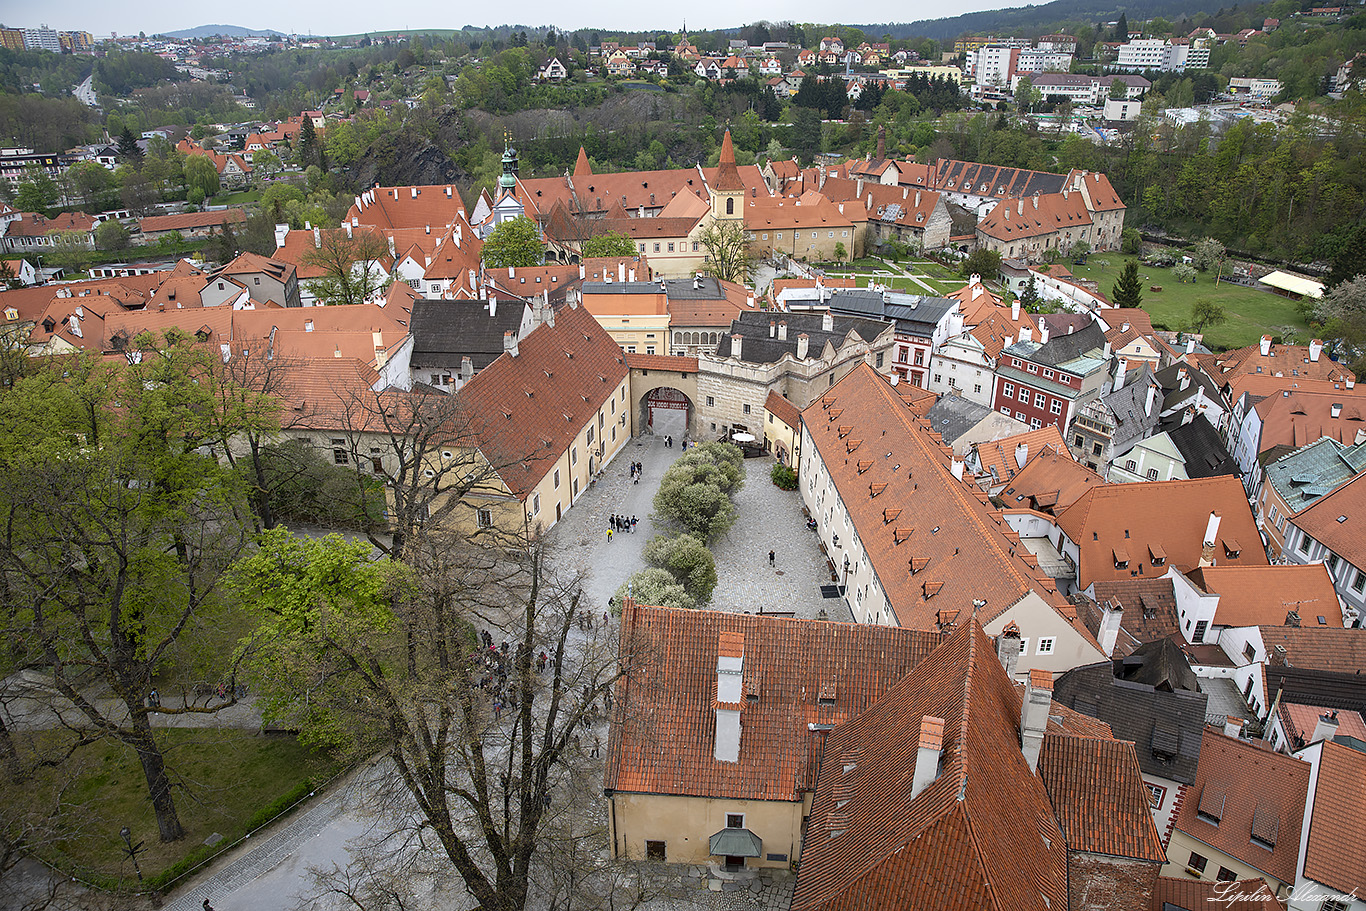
(485, 737)
(352, 265)
(729, 257)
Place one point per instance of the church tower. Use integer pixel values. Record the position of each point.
(507, 206)
(727, 190)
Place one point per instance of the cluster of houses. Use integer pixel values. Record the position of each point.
(1106, 585)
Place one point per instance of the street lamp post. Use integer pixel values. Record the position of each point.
(132, 850)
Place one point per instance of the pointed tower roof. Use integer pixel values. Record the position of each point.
(727, 174)
(581, 167)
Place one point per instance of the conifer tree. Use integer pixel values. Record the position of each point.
(1127, 291)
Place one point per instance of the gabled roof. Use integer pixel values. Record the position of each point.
(783, 410)
(571, 367)
(1300, 720)
(1149, 606)
(1337, 827)
(1316, 648)
(1295, 419)
(953, 415)
(1165, 726)
(1252, 791)
(1202, 449)
(1185, 894)
(1039, 216)
(1129, 407)
(1168, 515)
(1264, 595)
(444, 332)
(1050, 482)
(801, 673)
(913, 314)
(188, 221)
(1302, 476)
(904, 502)
(998, 457)
(30, 224)
(1338, 520)
(759, 348)
(438, 205)
(1061, 349)
(1289, 360)
(1116, 819)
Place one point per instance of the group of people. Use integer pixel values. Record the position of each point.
(637, 469)
(620, 525)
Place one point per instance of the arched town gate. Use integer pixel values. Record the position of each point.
(666, 410)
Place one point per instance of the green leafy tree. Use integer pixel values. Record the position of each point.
(1119, 90)
(613, 243)
(38, 192)
(118, 530)
(656, 587)
(1205, 312)
(685, 557)
(515, 242)
(1026, 96)
(201, 175)
(982, 262)
(1350, 260)
(1128, 290)
(841, 254)
(728, 251)
(1029, 295)
(68, 249)
(111, 235)
(90, 183)
(265, 164)
(1131, 242)
(1184, 273)
(694, 494)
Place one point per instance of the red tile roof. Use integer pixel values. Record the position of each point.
(1264, 595)
(1051, 481)
(409, 207)
(1169, 515)
(1340, 650)
(1300, 721)
(1242, 785)
(1098, 795)
(661, 362)
(1295, 419)
(1290, 360)
(1337, 826)
(189, 221)
(782, 409)
(663, 740)
(867, 436)
(29, 224)
(1182, 894)
(998, 456)
(727, 175)
(1338, 520)
(1039, 216)
(571, 369)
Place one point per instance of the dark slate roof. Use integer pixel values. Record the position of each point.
(1059, 349)
(1165, 727)
(759, 348)
(1204, 452)
(1160, 664)
(1172, 393)
(1330, 689)
(914, 314)
(709, 289)
(621, 287)
(952, 416)
(1128, 404)
(1012, 182)
(445, 331)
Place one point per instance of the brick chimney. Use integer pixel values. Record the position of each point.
(1038, 699)
(928, 754)
(1008, 649)
(730, 695)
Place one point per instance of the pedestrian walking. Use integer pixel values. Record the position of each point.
(634, 520)
(207, 906)
(772, 558)
(597, 745)
(609, 536)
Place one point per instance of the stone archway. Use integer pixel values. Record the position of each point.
(665, 410)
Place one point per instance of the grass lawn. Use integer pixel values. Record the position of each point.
(223, 778)
(235, 199)
(1251, 313)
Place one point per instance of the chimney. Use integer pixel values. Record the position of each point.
(730, 670)
(1211, 535)
(317, 238)
(956, 466)
(927, 756)
(1124, 326)
(621, 272)
(772, 329)
(347, 226)
(782, 331)
(1020, 207)
(582, 271)
(858, 188)
(1360, 438)
(1106, 350)
(1152, 400)
(1015, 311)
(1038, 699)
(917, 199)
(1043, 331)
(803, 343)
(736, 346)
(631, 276)
(1111, 617)
(1119, 373)
(280, 232)
(1008, 649)
(1266, 345)
(1026, 334)
(510, 343)
(1021, 454)
(1324, 729)
(1233, 726)
(466, 368)
(1337, 410)
(1183, 379)
(493, 306)
(827, 321)
(1190, 345)
(1315, 349)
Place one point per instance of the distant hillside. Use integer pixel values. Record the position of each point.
(226, 31)
(1025, 18)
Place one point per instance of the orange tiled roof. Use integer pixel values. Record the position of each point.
(1264, 595)
(1115, 819)
(1184, 894)
(727, 175)
(571, 368)
(1341, 650)
(1295, 419)
(998, 456)
(188, 221)
(663, 741)
(661, 362)
(1169, 515)
(1299, 722)
(1252, 791)
(30, 224)
(1015, 219)
(1051, 481)
(783, 410)
(905, 502)
(812, 210)
(957, 843)
(1338, 520)
(438, 205)
(1290, 360)
(1263, 385)
(1337, 827)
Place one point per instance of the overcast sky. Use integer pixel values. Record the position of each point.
(322, 17)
